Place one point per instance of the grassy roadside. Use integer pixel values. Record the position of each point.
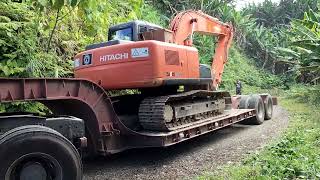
(296, 155)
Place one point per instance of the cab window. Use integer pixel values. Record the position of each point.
(142, 29)
(122, 34)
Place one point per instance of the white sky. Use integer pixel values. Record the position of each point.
(242, 3)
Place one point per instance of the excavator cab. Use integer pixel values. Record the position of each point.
(131, 31)
(126, 33)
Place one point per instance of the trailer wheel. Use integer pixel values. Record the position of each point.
(255, 102)
(244, 102)
(268, 107)
(38, 153)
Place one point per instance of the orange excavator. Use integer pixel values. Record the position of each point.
(175, 89)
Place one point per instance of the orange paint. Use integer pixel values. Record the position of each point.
(138, 72)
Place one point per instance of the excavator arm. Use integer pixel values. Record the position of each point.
(186, 23)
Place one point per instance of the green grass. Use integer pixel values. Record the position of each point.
(296, 155)
(307, 94)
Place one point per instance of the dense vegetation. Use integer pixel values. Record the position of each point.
(39, 38)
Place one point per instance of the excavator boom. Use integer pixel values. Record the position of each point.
(186, 23)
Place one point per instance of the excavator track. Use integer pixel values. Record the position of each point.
(171, 112)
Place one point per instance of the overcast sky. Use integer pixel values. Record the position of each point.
(242, 3)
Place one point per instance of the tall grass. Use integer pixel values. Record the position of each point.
(307, 94)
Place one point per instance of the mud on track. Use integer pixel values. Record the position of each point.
(190, 158)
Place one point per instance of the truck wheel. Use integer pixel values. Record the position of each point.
(268, 107)
(255, 102)
(244, 103)
(38, 153)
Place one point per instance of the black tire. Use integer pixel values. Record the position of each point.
(244, 102)
(253, 102)
(268, 107)
(256, 102)
(50, 155)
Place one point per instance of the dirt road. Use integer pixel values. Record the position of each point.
(191, 158)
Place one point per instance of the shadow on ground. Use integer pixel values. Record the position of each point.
(148, 156)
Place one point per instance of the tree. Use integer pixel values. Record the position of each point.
(303, 52)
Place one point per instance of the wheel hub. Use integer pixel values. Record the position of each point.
(33, 171)
(34, 166)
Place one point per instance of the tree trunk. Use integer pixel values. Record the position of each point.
(54, 28)
(266, 57)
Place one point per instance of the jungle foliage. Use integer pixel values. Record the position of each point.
(22, 50)
(273, 15)
(40, 38)
(303, 47)
(285, 30)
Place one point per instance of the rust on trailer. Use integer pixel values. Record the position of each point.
(235, 102)
(105, 132)
(274, 99)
